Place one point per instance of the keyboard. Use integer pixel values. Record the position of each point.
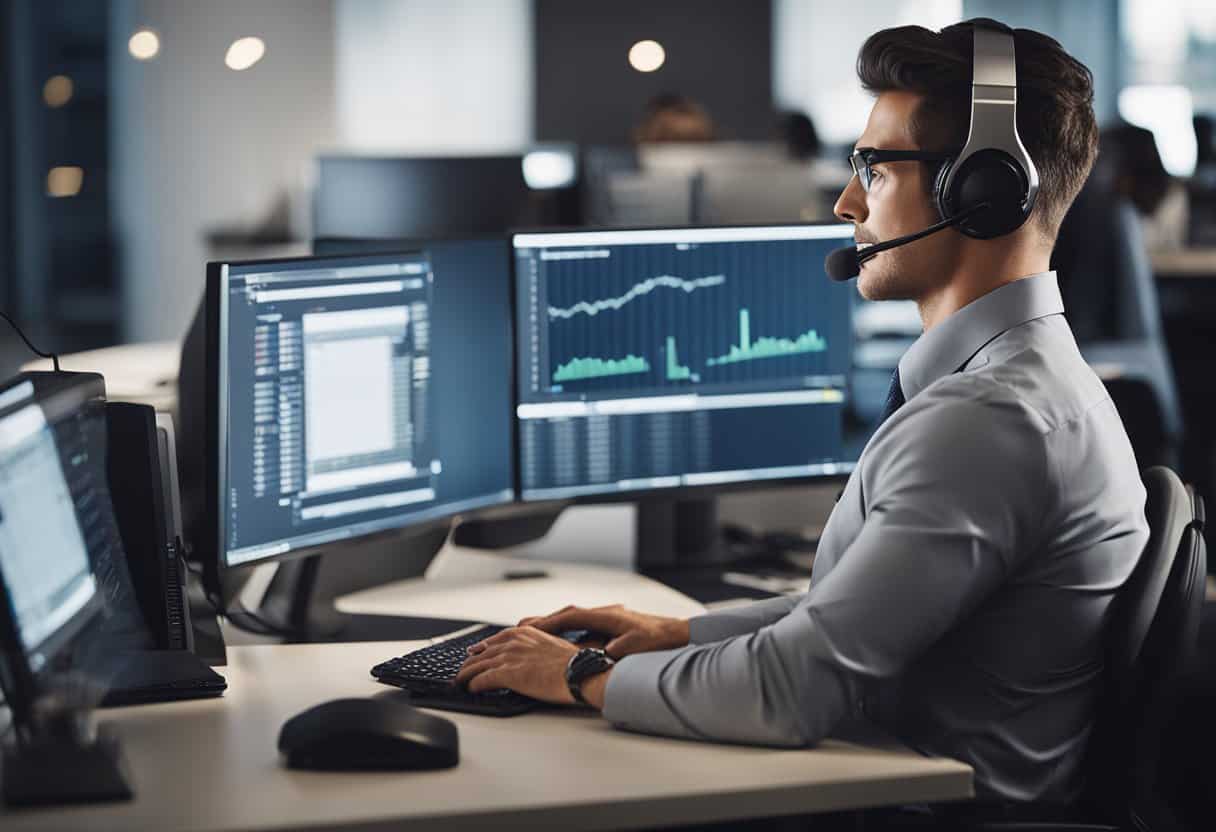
(429, 675)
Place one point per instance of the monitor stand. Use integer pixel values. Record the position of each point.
(680, 543)
(293, 604)
(57, 765)
(679, 533)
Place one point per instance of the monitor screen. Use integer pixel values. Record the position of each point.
(360, 394)
(45, 563)
(691, 357)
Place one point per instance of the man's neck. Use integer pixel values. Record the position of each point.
(976, 277)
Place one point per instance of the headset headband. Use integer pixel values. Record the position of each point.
(993, 132)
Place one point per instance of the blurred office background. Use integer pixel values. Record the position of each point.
(140, 138)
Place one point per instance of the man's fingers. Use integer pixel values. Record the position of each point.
(620, 646)
(476, 664)
(492, 679)
(498, 638)
(601, 620)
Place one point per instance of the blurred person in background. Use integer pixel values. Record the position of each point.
(1129, 164)
(801, 138)
(671, 117)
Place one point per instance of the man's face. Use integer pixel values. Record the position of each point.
(899, 202)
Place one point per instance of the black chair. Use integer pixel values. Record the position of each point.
(1110, 297)
(1151, 638)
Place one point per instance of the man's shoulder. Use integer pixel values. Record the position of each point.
(1045, 389)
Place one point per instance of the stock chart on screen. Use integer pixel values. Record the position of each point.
(679, 357)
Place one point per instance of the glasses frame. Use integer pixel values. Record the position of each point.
(862, 158)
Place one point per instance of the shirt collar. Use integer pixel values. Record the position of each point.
(951, 344)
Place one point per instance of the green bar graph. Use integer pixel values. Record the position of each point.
(578, 369)
(767, 347)
(674, 371)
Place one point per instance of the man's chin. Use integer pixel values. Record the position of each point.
(875, 282)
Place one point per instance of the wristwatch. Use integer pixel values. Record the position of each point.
(584, 664)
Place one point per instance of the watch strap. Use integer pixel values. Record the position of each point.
(584, 664)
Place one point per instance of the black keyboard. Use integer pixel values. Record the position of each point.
(429, 675)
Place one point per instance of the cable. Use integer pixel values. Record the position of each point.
(239, 617)
(54, 358)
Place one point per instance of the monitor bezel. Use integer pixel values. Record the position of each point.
(215, 560)
(673, 493)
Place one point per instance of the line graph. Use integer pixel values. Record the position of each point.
(665, 281)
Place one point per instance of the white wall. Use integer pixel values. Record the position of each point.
(815, 48)
(199, 147)
(430, 76)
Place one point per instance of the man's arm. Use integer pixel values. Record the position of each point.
(717, 626)
(955, 494)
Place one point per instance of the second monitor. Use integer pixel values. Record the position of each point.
(661, 359)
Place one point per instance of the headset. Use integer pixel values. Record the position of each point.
(993, 167)
(989, 188)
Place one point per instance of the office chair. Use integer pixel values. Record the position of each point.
(1110, 297)
(1150, 640)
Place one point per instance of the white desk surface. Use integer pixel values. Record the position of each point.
(213, 765)
(465, 583)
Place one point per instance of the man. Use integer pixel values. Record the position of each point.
(961, 582)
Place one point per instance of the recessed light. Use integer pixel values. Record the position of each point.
(144, 45)
(647, 55)
(244, 53)
(64, 181)
(57, 91)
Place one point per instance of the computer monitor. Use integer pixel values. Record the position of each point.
(355, 396)
(387, 197)
(680, 361)
(49, 592)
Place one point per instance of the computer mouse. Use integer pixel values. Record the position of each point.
(368, 734)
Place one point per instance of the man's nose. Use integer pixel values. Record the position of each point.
(851, 205)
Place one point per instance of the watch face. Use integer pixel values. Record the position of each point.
(587, 662)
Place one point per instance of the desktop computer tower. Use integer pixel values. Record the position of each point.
(142, 472)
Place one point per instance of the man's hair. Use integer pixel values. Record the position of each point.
(1055, 100)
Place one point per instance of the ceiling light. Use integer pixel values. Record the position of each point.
(64, 181)
(144, 45)
(57, 91)
(244, 53)
(647, 55)
(549, 168)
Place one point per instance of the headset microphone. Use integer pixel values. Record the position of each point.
(844, 263)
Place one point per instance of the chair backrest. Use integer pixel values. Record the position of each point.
(1105, 274)
(1151, 636)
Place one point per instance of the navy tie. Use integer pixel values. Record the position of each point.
(895, 397)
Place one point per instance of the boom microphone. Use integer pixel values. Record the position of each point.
(845, 263)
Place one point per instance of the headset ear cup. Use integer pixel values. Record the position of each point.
(939, 189)
(989, 176)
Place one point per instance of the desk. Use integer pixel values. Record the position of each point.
(464, 583)
(212, 765)
(1188, 262)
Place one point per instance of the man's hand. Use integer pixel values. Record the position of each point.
(628, 631)
(523, 659)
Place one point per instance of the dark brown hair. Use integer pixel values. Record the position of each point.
(1055, 100)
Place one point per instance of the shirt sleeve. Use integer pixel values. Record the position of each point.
(955, 493)
(739, 620)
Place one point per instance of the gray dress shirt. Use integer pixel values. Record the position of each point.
(961, 582)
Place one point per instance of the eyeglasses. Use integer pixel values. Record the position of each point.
(863, 157)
